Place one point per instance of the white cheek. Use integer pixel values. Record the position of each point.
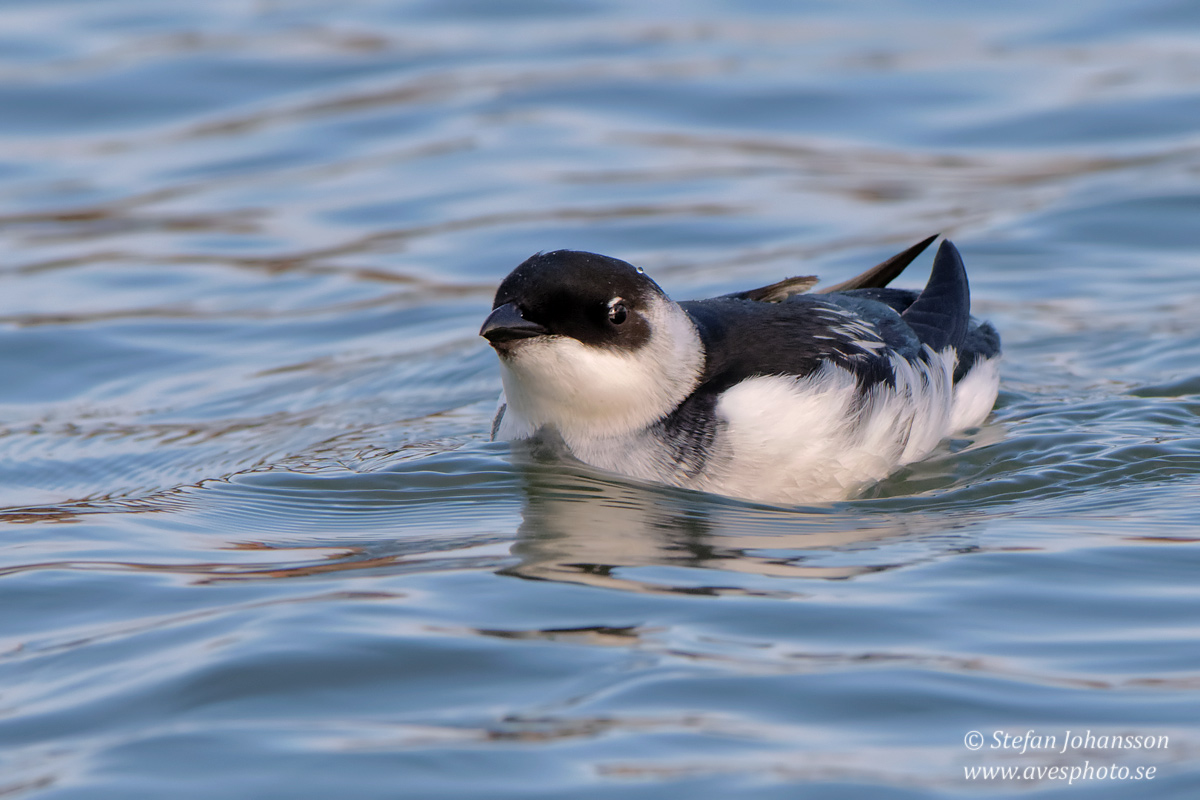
(578, 389)
(557, 372)
(587, 392)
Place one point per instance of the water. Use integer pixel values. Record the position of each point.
(255, 542)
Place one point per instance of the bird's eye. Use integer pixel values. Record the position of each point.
(617, 312)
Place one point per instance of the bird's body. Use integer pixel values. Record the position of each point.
(771, 395)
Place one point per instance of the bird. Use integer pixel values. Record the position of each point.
(777, 395)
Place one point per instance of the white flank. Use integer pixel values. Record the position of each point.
(975, 394)
(810, 440)
(798, 440)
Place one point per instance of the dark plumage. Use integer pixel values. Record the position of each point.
(575, 301)
(744, 338)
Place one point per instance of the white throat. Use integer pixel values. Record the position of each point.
(587, 392)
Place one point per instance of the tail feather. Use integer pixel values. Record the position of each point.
(941, 314)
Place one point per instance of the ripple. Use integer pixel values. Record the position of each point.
(256, 536)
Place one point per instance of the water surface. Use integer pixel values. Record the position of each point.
(254, 541)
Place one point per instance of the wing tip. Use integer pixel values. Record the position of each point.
(883, 273)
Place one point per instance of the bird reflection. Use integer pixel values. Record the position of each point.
(586, 527)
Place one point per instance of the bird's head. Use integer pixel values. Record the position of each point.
(589, 345)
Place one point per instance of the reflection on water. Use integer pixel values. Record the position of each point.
(597, 531)
(254, 541)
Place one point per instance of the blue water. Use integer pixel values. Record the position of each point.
(254, 541)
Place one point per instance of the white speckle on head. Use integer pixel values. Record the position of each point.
(587, 392)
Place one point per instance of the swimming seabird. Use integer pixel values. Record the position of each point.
(774, 394)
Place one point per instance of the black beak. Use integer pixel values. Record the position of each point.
(505, 324)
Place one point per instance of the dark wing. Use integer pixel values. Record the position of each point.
(859, 329)
(882, 274)
(876, 277)
(940, 315)
(744, 339)
(777, 292)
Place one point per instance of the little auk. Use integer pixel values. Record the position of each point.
(775, 394)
